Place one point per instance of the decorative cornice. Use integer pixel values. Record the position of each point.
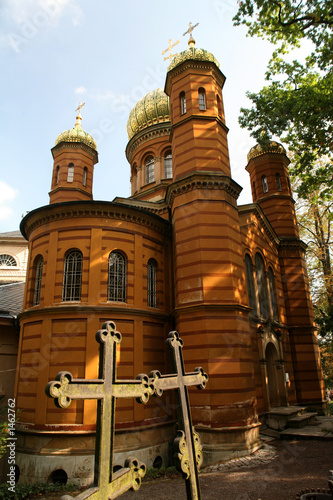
(292, 243)
(256, 209)
(146, 135)
(202, 180)
(197, 64)
(211, 307)
(205, 117)
(155, 207)
(75, 145)
(87, 209)
(107, 308)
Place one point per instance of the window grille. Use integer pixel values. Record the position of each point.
(38, 281)
(117, 277)
(72, 276)
(272, 293)
(7, 261)
(151, 283)
(168, 165)
(70, 173)
(149, 169)
(202, 99)
(250, 282)
(84, 180)
(262, 286)
(278, 181)
(182, 103)
(264, 184)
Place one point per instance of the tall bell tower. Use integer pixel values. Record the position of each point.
(74, 154)
(211, 304)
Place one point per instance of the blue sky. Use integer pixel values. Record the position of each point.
(108, 54)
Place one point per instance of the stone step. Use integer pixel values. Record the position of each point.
(278, 418)
(302, 420)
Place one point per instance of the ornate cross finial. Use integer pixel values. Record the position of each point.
(170, 56)
(79, 117)
(191, 41)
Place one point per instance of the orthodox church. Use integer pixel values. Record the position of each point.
(178, 254)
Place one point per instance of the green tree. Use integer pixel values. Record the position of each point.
(297, 104)
(3, 427)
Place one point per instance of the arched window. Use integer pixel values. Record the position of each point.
(254, 192)
(262, 286)
(117, 277)
(219, 105)
(202, 99)
(70, 173)
(84, 179)
(149, 169)
(72, 276)
(264, 184)
(168, 165)
(38, 280)
(272, 293)
(57, 174)
(250, 282)
(7, 261)
(182, 99)
(151, 282)
(278, 181)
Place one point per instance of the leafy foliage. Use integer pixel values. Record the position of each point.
(3, 427)
(297, 105)
(26, 491)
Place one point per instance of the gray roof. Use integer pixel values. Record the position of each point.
(11, 234)
(11, 298)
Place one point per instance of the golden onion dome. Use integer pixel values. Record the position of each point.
(192, 53)
(77, 134)
(272, 147)
(153, 108)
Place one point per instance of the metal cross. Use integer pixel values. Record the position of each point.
(190, 29)
(170, 56)
(189, 452)
(105, 389)
(79, 107)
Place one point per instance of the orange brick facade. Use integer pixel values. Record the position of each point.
(231, 279)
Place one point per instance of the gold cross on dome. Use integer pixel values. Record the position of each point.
(79, 107)
(190, 29)
(170, 56)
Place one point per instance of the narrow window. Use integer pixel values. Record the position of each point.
(7, 261)
(262, 286)
(151, 283)
(57, 174)
(72, 276)
(272, 293)
(264, 184)
(254, 192)
(38, 281)
(117, 277)
(70, 173)
(149, 169)
(219, 105)
(278, 181)
(182, 103)
(202, 99)
(168, 165)
(84, 179)
(250, 282)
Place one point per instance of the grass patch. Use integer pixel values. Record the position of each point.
(162, 473)
(330, 407)
(27, 491)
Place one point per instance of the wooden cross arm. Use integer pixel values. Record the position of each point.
(64, 388)
(162, 383)
(141, 388)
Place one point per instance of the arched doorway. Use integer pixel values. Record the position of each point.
(275, 377)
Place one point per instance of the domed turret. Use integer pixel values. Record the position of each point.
(193, 53)
(74, 153)
(151, 109)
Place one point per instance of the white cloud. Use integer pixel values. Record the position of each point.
(7, 194)
(80, 90)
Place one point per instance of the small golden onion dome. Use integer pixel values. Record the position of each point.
(153, 108)
(272, 147)
(77, 134)
(192, 53)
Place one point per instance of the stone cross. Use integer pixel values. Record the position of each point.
(189, 450)
(105, 389)
(171, 46)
